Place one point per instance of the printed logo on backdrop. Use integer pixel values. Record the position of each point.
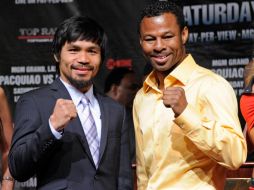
(36, 35)
(25, 78)
(111, 63)
(29, 184)
(220, 14)
(231, 69)
(215, 29)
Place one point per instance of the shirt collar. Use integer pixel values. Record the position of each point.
(180, 74)
(76, 95)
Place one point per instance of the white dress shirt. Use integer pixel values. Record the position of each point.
(76, 96)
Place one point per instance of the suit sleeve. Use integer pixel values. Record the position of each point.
(32, 140)
(125, 181)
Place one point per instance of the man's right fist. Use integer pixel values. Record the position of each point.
(64, 112)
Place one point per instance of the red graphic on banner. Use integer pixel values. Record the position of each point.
(111, 63)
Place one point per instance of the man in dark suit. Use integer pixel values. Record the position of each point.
(55, 139)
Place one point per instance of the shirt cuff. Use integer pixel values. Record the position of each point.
(57, 134)
(189, 120)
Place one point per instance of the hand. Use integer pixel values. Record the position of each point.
(64, 112)
(174, 97)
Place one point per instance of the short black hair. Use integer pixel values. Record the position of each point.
(79, 28)
(115, 77)
(160, 7)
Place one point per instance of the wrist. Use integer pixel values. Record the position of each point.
(7, 178)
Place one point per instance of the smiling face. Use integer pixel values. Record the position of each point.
(79, 62)
(163, 42)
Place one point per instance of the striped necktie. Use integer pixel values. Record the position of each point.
(90, 130)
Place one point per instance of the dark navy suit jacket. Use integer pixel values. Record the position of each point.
(67, 163)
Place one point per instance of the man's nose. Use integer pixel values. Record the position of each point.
(159, 45)
(83, 57)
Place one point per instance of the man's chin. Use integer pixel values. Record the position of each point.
(80, 84)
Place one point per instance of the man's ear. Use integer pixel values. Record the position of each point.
(185, 34)
(56, 58)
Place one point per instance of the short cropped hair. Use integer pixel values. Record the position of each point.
(79, 28)
(160, 7)
(115, 77)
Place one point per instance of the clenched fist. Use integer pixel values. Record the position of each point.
(175, 98)
(64, 112)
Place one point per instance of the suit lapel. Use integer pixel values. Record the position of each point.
(59, 90)
(75, 125)
(104, 124)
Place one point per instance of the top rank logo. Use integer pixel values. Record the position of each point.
(36, 35)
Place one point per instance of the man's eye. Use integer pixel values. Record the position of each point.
(93, 51)
(168, 37)
(149, 39)
(73, 50)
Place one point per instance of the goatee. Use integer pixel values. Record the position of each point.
(79, 84)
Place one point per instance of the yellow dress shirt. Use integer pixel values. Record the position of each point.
(193, 150)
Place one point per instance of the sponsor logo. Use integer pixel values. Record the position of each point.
(36, 35)
(111, 63)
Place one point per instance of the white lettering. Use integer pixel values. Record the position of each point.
(219, 62)
(226, 35)
(35, 69)
(206, 36)
(248, 34)
(229, 73)
(193, 37)
(219, 13)
(17, 69)
(20, 80)
(238, 61)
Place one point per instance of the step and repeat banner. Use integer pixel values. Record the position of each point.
(221, 39)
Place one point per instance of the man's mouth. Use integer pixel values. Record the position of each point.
(160, 59)
(82, 67)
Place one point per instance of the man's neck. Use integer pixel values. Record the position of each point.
(159, 76)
